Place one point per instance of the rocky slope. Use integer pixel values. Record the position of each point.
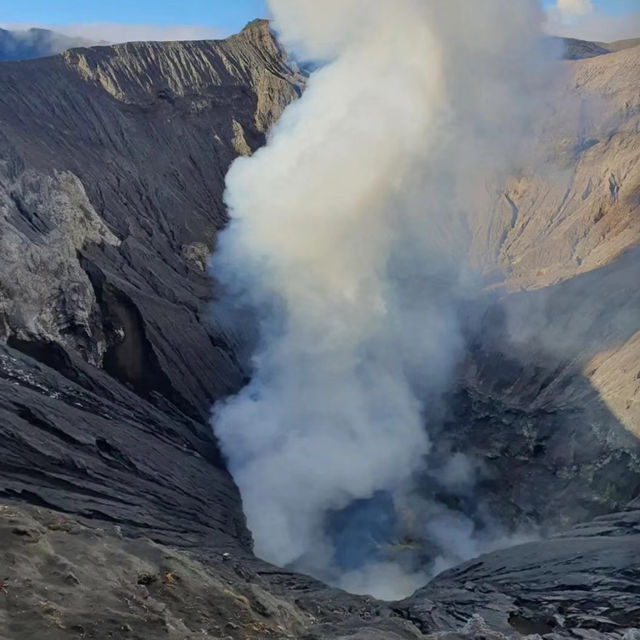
(579, 211)
(554, 359)
(585, 580)
(112, 164)
(65, 578)
(575, 49)
(112, 177)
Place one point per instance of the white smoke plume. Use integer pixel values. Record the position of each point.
(347, 239)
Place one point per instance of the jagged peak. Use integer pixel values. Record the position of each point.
(258, 32)
(259, 24)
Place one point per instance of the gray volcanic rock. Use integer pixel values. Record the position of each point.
(578, 49)
(547, 402)
(584, 583)
(44, 292)
(148, 136)
(64, 577)
(112, 164)
(92, 447)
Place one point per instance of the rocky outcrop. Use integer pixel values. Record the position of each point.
(579, 49)
(44, 292)
(576, 209)
(548, 395)
(112, 164)
(581, 584)
(147, 132)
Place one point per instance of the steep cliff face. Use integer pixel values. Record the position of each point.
(147, 132)
(584, 213)
(553, 362)
(112, 164)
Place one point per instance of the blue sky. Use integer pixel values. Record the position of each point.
(609, 7)
(594, 19)
(228, 15)
(162, 19)
(118, 20)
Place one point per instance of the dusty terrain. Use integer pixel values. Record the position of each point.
(68, 579)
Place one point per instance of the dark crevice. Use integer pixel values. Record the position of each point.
(48, 353)
(130, 357)
(29, 497)
(532, 625)
(27, 216)
(37, 421)
(66, 487)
